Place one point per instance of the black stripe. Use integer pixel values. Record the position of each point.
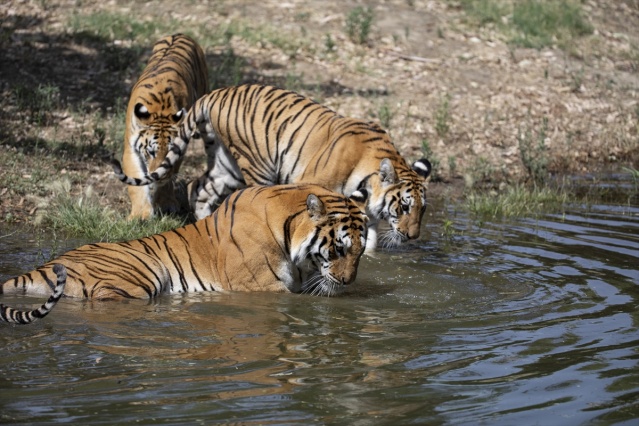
(287, 232)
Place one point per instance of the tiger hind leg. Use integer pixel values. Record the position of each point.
(222, 178)
(208, 192)
(17, 316)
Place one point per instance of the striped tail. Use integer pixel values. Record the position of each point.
(175, 153)
(16, 316)
(117, 169)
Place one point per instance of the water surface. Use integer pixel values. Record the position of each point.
(529, 322)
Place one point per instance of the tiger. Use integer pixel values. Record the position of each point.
(263, 135)
(175, 77)
(282, 238)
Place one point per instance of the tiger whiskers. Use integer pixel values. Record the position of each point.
(391, 239)
(318, 285)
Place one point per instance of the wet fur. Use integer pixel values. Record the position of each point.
(285, 238)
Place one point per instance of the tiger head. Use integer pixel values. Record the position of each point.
(398, 195)
(153, 130)
(333, 240)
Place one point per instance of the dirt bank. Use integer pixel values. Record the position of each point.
(428, 73)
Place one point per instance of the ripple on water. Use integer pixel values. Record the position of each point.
(505, 323)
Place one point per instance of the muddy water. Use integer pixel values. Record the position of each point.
(532, 322)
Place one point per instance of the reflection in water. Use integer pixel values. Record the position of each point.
(507, 324)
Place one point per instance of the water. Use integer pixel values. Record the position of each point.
(531, 322)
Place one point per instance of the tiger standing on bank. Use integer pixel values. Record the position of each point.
(285, 238)
(262, 135)
(174, 78)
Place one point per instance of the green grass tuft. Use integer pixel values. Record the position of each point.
(532, 23)
(485, 11)
(541, 23)
(85, 217)
(442, 117)
(516, 201)
(116, 26)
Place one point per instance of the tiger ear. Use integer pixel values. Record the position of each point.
(422, 167)
(177, 117)
(387, 172)
(375, 126)
(315, 206)
(141, 112)
(360, 197)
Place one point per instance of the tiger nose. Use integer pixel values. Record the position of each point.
(346, 280)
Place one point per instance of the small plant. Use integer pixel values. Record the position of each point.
(534, 153)
(329, 43)
(385, 115)
(442, 117)
(448, 230)
(634, 174)
(481, 172)
(576, 80)
(358, 24)
(452, 166)
(49, 253)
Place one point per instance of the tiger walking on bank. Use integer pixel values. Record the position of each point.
(175, 77)
(262, 135)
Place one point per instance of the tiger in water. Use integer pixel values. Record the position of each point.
(174, 78)
(262, 135)
(283, 238)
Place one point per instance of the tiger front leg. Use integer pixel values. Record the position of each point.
(371, 237)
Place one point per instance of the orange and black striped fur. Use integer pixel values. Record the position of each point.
(261, 135)
(283, 238)
(174, 78)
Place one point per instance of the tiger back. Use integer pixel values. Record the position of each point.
(262, 135)
(175, 77)
(285, 238)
